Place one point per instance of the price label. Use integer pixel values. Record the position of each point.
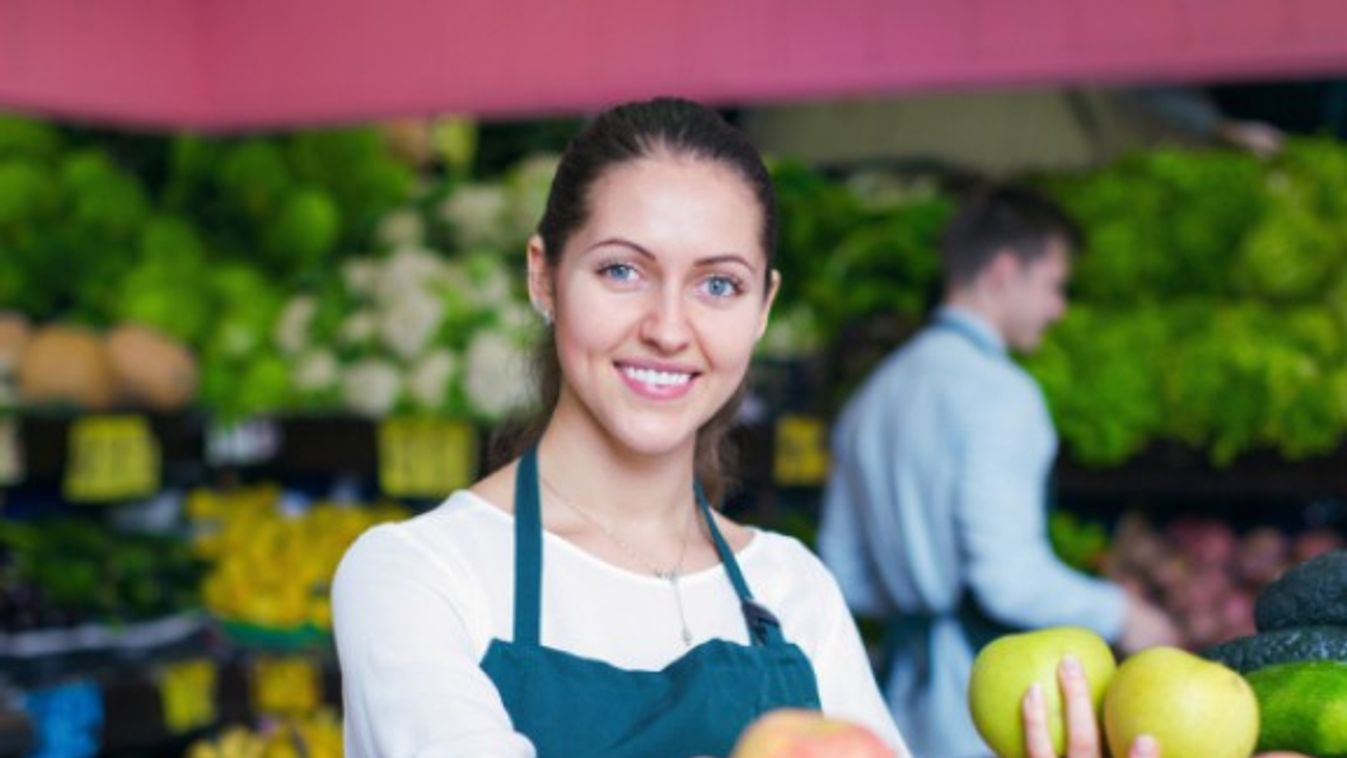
(187, 692)
(290, 686)
(111, 458)
(801, 452)
(426, 457)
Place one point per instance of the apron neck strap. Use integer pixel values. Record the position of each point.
(763, 627)
(528, 551)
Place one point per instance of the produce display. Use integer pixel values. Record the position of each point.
(1203, 573)
(1297, 661)
(1208, 306)
(270, 568)
(65, 572)
(332, 271)
(71, 366)
(315, 736)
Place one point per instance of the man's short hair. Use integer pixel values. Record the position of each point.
(997, 218)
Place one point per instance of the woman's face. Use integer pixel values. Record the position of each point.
(659, 299)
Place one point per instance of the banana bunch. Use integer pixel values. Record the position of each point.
(272, 568)
(317, 735)
(235, 742)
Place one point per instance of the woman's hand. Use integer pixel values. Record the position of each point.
(1082, 728)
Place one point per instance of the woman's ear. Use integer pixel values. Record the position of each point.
(540, 280)
(773, 287)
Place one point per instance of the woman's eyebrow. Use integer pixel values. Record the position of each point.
(623, 243)
(708, 261)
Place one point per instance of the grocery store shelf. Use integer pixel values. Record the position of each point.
(1174, 472)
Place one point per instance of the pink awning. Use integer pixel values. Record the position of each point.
(224, 64)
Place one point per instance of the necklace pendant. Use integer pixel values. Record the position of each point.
(687, 637)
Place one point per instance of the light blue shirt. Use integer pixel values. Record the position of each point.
(940, 469)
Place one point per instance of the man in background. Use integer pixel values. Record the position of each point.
(935, 512)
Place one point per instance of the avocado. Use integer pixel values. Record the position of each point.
(1308, 643)
(1311, 594)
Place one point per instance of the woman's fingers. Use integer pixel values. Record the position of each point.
(1082, 729)
(1082, 726)
(1144, 746)
(1037, 738)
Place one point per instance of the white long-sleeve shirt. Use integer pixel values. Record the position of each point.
(416, 603)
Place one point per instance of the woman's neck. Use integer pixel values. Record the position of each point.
(587, 466)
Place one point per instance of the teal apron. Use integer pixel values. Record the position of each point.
(575, 707)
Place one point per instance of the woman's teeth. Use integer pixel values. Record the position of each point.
(660, 378)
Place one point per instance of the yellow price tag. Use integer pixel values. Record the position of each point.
(801, 452)
(111, 458)
(289, 686)
(187, 692)
(426, 457)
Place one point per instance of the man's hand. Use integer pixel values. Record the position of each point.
(1145, 625)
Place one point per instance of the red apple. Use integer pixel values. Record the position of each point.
(795, 733)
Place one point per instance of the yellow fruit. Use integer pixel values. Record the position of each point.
(1006, 668)
(1194, 708)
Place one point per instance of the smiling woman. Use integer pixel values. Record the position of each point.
(586, 599)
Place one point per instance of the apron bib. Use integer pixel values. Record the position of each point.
(575, 707)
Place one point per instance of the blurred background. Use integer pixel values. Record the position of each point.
(261, 287)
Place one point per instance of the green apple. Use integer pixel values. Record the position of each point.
(1194, 708)
(1005, 669)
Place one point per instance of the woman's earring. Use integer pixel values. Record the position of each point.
(544, 313)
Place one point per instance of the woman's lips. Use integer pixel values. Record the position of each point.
(657, 383)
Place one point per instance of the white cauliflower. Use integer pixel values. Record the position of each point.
(361, 275)
(292, 328)
(401, 228)
(497, 378)
(408, 270)
(491, 282)
(316, 371)
(370, 387)
(478, 213)
(428, 380)
(358, 328)
(407, 323)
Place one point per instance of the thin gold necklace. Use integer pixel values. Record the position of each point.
(671, 575)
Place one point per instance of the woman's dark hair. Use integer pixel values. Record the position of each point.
(997, 218)
(626, 133)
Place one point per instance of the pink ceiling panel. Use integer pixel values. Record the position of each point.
(228, 64)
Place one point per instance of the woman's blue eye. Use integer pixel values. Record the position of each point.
(620, 272)
(722, 286)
